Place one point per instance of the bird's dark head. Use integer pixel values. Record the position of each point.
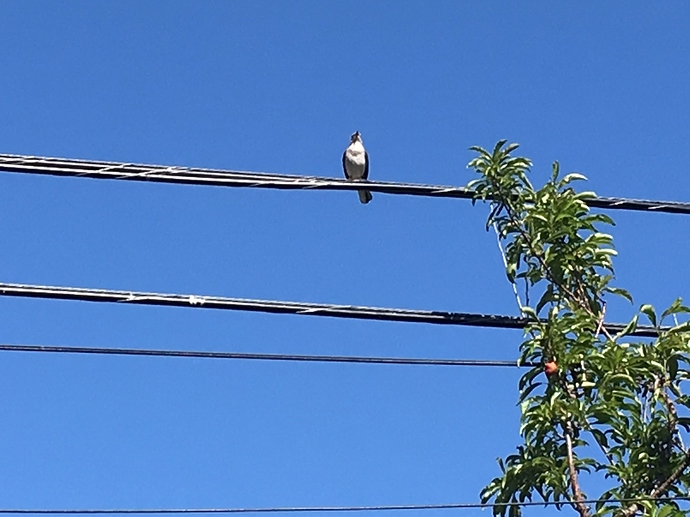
(355, 137)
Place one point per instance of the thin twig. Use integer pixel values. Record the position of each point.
(505, 263)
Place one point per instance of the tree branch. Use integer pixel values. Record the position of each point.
(581, 508)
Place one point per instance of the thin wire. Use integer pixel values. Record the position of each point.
(261, 357)
(294, 509)
(201, 176)
(282, 307)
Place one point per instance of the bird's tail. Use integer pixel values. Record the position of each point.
(364, 196)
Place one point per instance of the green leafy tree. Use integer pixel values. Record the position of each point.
(595, 403)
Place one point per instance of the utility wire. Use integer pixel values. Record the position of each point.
(316, 509)
(261, 357)
(282, 307)
(227, 178)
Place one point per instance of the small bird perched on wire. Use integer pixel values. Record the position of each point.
(356, 164)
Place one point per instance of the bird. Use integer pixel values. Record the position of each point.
(356, 164)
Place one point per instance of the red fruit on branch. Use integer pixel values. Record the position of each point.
(550, 368)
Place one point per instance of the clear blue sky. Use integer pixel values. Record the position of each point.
(279, 86)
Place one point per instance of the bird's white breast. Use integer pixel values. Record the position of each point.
(354, 160)
(356, 153)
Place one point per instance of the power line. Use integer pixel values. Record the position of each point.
(282, 307)
(261, 357)
(219, 177)
(315, 509)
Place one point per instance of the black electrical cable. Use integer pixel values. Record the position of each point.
(282, 307)
(262, 357)
(317, 509)
(227, 178)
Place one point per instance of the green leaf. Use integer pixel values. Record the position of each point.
(526, 392)
(684, 422)
(607, 251)
(675, 308)
(672, 367)
(619, 292)
(599, 218)
(669, 510)
(555, 169)
(498, 146)
(648, 310)
(510, 147)
(511, 271)
(529, 312)
(586, 195)
(573, 176)
(629, 329)
(616, 377)
(682, 327)
(600, 437)
(547, 297)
